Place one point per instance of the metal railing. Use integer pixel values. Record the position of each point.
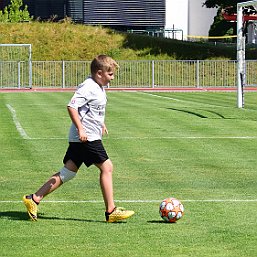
(132, 74)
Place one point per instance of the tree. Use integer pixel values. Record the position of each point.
(14, 12)
(220, 26)
(221, 3)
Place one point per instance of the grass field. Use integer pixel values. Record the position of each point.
(197, 147)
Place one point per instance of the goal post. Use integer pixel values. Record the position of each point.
(16, 65)
(241, 40)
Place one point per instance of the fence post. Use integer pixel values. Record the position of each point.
(153, 82)
(197, 73)
(63, 74)
(30, 66)
(19, 74)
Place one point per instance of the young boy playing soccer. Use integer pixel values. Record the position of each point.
(87, 112)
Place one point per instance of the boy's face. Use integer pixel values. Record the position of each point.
(104, 77)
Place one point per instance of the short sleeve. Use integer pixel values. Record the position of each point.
(79, 98)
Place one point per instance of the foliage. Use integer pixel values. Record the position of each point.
(221, 3)
(80, 42)
(14, 12)
(221, 27)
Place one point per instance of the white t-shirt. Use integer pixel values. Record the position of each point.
(90, 101)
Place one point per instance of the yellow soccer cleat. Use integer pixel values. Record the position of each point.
(118, 214)
(31, 207)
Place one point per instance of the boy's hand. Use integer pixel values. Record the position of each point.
(82, 136)
(104, 130)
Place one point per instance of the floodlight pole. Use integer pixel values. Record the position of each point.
(240, 57)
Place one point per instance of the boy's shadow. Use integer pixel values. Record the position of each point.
(18, 215)
(14, 215)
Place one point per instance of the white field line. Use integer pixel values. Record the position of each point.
(140, 201)
(165, 97)
(187, 137)
(179, 100)
(151, 138)
(19, 128)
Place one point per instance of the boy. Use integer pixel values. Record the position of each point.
(87, 112)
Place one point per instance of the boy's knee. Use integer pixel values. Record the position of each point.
(106, 166)
(66, 174)
(109, 166)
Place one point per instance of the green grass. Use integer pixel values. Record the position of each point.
(67, 41)
(197, 147)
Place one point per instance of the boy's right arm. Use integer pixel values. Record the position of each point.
(74, 115)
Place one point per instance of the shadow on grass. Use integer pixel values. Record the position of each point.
(218, 115)
(14, 215)
(160, 222)
(42, 217)
(18, 215)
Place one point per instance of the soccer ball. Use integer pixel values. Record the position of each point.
(171, 210)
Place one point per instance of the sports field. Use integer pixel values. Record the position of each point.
(197, 147)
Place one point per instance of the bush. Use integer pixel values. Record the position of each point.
(14, 12)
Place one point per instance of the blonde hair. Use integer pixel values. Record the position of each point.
(104, 63)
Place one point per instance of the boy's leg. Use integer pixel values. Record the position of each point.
(112, 213)
(106, 169)
(31, 201)
(53, 183)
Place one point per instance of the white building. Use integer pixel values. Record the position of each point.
(188, 18)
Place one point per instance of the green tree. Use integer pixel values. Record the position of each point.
(221, 3)
(220, 26)
(14, 12)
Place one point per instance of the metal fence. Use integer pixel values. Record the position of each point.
(132, 74)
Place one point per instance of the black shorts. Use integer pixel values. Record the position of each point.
(88, 153)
